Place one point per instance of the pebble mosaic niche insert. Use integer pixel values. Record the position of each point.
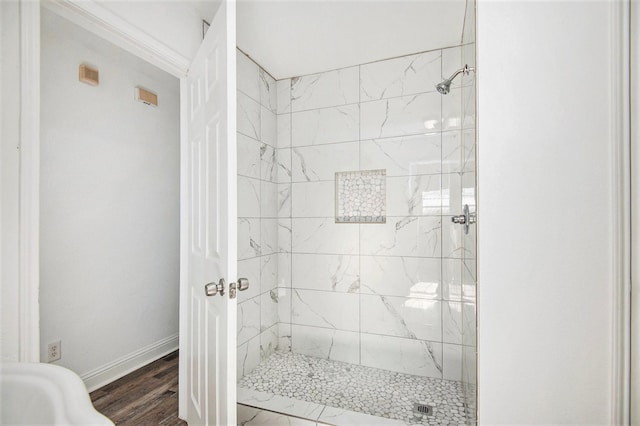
(358, 388)
(361, 196)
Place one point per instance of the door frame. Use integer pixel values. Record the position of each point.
(94, 17)
(634, 388)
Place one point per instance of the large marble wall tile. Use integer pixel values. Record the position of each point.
(311, 163)
(451, 194)
(332, 88)
(403, 355)
(268, 309)
(284, 337)
(248, 157)
(469, 280)
(250, 416)
(248, 197)
(284, 200)
(451, 279)
(338, 273)
(283, 157)
(284, 305)
(284, 270)
(283, 88)
(325, 309)
(326, 125)
(268, 163)
(407, 115)
(268, 342)
(323, 236)
(249, 269)
(248, 319)
(402, 236)
(248, 357)
(268, 199)
(452, 322)
(269, 236)
(325, 343)
(407, 75)
(248, 238)
(340, 416)
(268, 95)
(279, 404)
(469, 355)
(451, 62)
(469, 190)
(400, 276)
(268, 272)
(452, 110)
(284, 235)
(452, 151)
(414, 195)
(452, 239)
(403, 156)
(313, 199)
(469, 106)
(469, 242)
(283, 124)
(452, 362)
(248, 76)
(469, 324)
(413, 318)
(268, 126)
(468, 150)
(248, 118)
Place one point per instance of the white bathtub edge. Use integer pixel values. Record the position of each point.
(122, 366)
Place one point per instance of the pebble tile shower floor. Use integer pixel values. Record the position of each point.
(352, 387)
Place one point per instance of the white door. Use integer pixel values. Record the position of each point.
(212, 220)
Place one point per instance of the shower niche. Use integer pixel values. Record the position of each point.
(362, 304)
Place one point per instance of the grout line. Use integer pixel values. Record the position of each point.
(378, 60)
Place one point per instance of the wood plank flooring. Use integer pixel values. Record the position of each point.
(148, 396)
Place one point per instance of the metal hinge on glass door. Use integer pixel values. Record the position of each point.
(466, 218)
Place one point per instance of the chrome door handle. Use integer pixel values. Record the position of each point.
(466, 218)
(212, 289)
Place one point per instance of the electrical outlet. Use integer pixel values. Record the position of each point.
(54, 351)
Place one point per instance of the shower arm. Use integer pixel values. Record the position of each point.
(466, 70)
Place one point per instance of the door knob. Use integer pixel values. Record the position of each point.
(242, 285)
(212, 289)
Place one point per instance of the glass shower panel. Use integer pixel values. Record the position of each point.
(469, 281)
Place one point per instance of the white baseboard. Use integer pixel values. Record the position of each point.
(114, 370)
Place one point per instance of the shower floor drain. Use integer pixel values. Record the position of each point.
(423, 409)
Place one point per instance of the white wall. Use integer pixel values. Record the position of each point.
(545, 212)
(9, 163)
(109, 202)
(179, 24)
(166, 33)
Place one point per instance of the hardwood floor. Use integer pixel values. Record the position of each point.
(148, 396)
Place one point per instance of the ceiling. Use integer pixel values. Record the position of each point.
(296, 37)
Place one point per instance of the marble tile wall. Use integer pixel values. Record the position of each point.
(386, 295)
(257, 214)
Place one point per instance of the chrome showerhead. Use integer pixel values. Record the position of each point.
(445, 86)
